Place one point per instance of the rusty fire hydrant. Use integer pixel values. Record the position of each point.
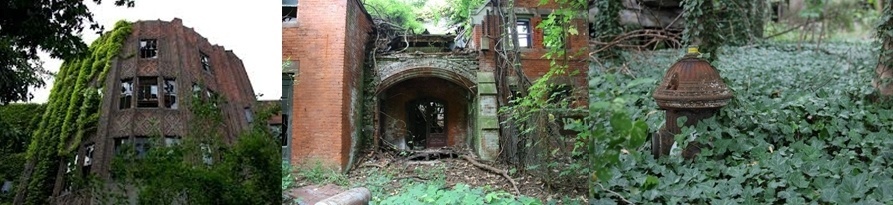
(690, 88)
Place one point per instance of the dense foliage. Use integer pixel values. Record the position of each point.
(27, 26)
(71, 114)
(16, 125)
(714, 23)
(189, 174)
(404, 13)
(800, 130)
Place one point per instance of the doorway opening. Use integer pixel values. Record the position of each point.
(426, 123)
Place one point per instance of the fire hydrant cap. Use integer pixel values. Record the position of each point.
(692, 83)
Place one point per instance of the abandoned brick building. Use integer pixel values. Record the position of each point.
(426, 91)
(150, 89)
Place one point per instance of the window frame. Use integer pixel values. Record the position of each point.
(290, 12)
(150, 48)
(205, 61)
(125, 101)
(527, 35)
(170, 93)
(147, 100)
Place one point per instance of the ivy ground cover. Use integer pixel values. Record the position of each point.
(803, 128)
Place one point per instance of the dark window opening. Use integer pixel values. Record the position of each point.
(126, 94)
(120, 142)
(141, 145)
(523, 29)
(148, 92)
(289, 11)
(427, 124)
(283, 131)
(206, 62)
(212, 97)
(559, 93)
(170, 93)
(148, 48)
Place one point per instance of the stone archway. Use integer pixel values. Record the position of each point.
(468, 94)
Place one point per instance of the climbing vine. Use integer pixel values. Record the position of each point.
(713, 23)
(71, 114)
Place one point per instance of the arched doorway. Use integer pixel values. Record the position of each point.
(424, 112)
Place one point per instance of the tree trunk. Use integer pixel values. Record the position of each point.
(884, 69)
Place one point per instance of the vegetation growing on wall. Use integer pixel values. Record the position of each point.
(400, 12)
(71, 115)
(203, 169)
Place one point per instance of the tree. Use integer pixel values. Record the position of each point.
(884, 68)
(26, 26)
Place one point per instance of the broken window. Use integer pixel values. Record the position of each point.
(126, 94)
(196, 90)
(170, 93)
(88, 155)
(248, 115)
(148, 48)
(207, 156)
(523, 29)
(148, 92)
(206, 62)
(171, 141)
(289, 11)
(120, 142)
(212, 97)
(141, 145)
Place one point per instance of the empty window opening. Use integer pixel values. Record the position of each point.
(170, 141)
(560, 93)
(148, 92)
(427, 124)
(141, 145)
(126, 94)
(289, 11)
(148, 48)
(196, 90)
(207, 156)
(523, 29)
(248, 115)
(170, 93)
(206, 62)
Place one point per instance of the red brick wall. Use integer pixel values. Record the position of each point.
(532, 61)
(330, 68)
(359, 25)
(178, 58)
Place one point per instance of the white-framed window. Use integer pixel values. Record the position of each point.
(524, 33)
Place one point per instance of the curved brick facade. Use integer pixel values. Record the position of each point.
(178, 59)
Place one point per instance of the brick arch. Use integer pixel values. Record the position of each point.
(411, 73)
(461, 71)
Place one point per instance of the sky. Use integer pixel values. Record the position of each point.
(251, 29)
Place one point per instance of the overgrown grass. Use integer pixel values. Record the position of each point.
(316, 172)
